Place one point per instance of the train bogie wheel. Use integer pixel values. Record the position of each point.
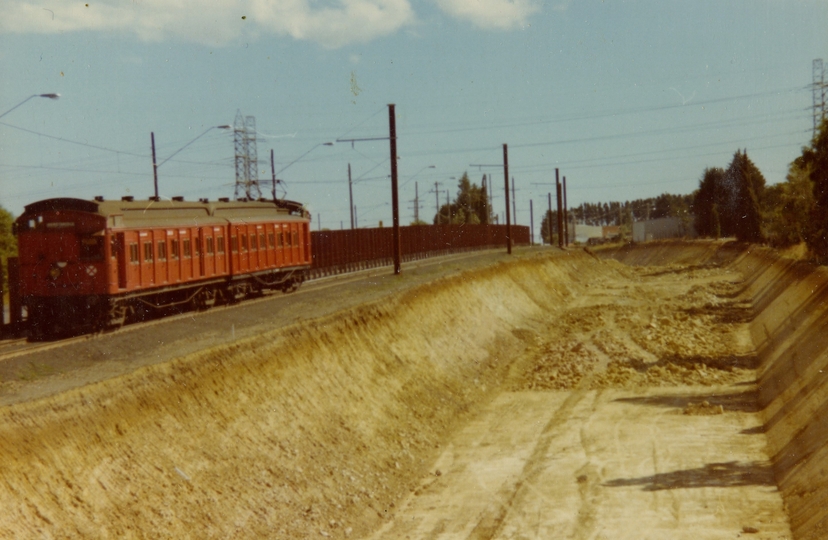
(205, 299)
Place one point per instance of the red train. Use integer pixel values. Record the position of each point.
(94, 264)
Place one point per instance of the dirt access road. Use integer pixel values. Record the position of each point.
(634, 416)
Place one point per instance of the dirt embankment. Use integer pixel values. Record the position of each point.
(319, 429)
(328, 427)
(788, 323)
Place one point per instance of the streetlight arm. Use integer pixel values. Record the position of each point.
(191, 142)
(50, 96)
(417, 173)
(303, 155)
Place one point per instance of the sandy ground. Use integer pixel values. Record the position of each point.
(634, 416)
(551, 398)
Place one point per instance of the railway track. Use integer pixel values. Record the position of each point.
(18, 347)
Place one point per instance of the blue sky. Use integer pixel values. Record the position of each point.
(627, 99)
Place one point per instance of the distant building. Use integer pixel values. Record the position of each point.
(582, 233)
(611, 231)
(662, 228)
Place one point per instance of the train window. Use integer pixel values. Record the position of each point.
(210, 245)
(174, 249)
(147, 251)
(162, 250)
(281, 236)
(296, 238)
(133, 252)
(186, 248)
(221, 244)
(113, 247)
(287, 239)
(197, 244)
(244, 242)
(91, 248)
(253, 243)
(234, 244)
(271, 238)
(262, 241)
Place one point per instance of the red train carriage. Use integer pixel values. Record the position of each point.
(95, 263)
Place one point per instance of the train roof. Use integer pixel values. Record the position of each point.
(152, 212)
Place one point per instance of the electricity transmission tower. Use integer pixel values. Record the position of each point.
(247, 161)
(819, 89)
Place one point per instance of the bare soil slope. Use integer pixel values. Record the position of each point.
(545, 398)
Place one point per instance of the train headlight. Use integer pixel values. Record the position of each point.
(54, 272)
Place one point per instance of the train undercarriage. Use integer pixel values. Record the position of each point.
(69, 315)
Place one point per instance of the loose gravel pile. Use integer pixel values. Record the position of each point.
(667, 326)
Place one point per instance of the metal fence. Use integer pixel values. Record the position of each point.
(341, 251)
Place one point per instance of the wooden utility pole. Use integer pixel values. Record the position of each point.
(506, 185)
(560, 210)
(351, 195)
(154, 164)
(395, 198)
(566, 214)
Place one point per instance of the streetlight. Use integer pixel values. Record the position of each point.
(156, 165)
(50, 96)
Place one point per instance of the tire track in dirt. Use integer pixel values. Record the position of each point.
(490, 525)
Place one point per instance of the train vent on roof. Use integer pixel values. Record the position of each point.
(127, 198)
(178, 198)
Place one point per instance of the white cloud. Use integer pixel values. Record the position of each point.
(329, 23)
(347, 21)
(491, 14)
(213, 22)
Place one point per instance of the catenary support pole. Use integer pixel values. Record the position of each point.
(154, 164)
(531, 223)
(351, 195)
(549, 218)
(560, 210)
(506, 188)
(566, 215)
(273, 174)
(395, 199)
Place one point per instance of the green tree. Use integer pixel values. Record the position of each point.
(471, 206)
(8, 243)
(547, 218)
(788, 206)
(743, 180)
(816, 159)
(706, 203)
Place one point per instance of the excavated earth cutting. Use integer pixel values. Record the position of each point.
(669, 390)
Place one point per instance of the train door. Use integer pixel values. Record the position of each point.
(173, 257)
(198, 253)
(121, 259)
(294, 244)
(221, 250)
(280, 245)
(305, 240)
(147, 259)
(209, 253)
